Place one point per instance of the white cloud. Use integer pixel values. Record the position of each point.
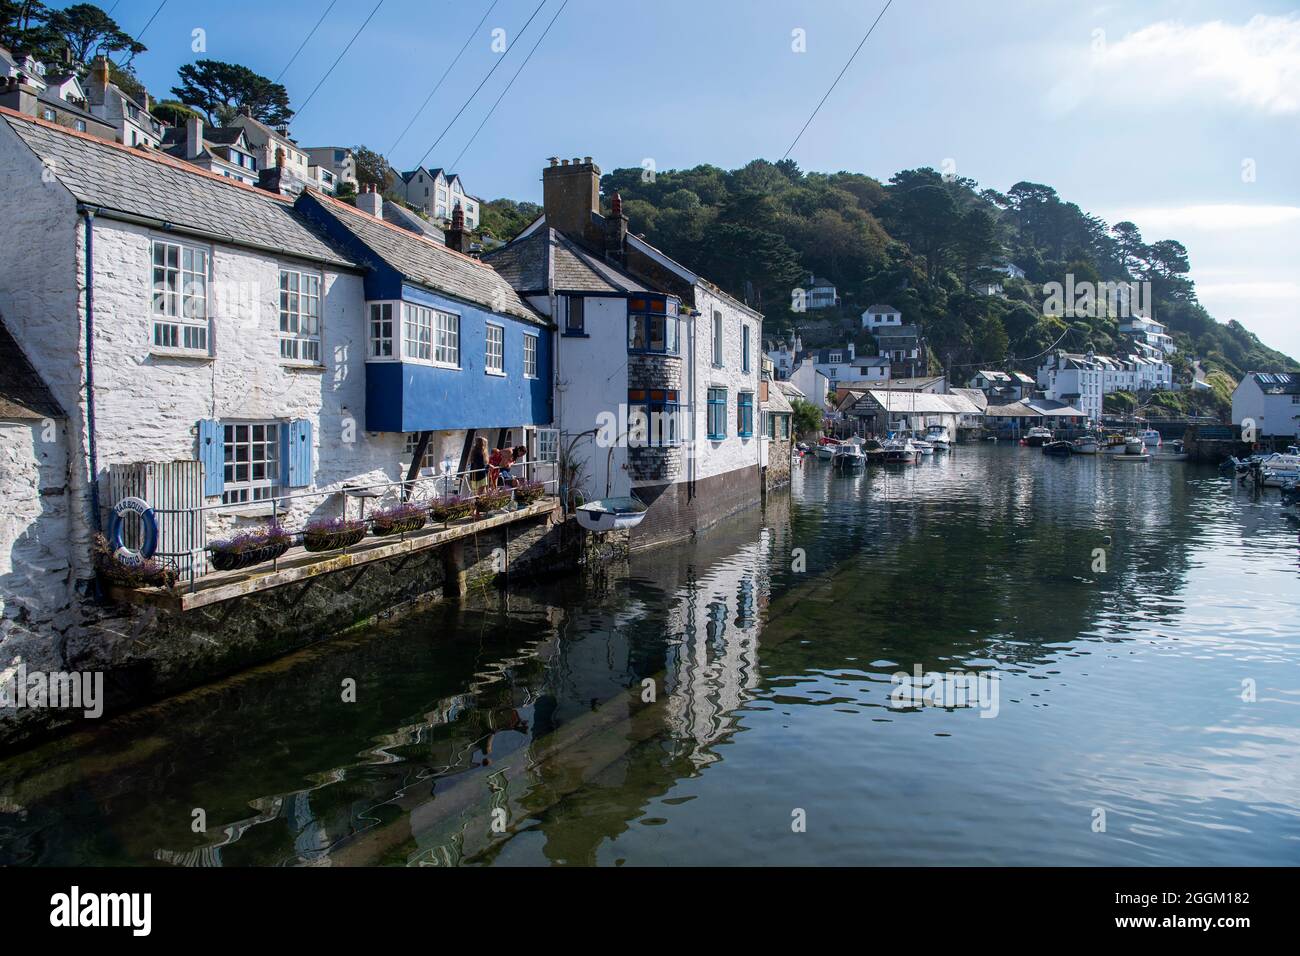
(1207, 217)
(1256, 65)
(1235, 291)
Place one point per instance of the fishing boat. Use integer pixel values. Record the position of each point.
(937, 436)
(901, 452)
(1060, 448)
(611, 514)
(1151, 438)
(849, 455)
(1087, 445)
(1038, 436)
(1112, 444)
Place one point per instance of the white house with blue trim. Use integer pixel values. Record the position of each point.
(290, 346)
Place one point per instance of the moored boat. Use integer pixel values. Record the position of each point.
(937, 436)
(611, 514)
(1171, 451)
(1038, 436)
(849, 455)
(1087, 445)
(1276, 470)
(874, 451)
(826, 448)
(1151, 438)
(901, 452)
(1059, 448)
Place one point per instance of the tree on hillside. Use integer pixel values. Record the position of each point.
(977, 246)
(88, 32)
(373, 169)
(173, 112)
(221, 91)
(928, 219)
(22, 26)
(733, 256)
(1129, 246)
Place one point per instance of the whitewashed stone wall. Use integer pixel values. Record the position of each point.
(35, 566)
(715, 458)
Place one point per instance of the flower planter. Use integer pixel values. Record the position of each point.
(247, 557)
(383, 527)
(446, 511)
(528, 494)
(491, 501)
(332, 540)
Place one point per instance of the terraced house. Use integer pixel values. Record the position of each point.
(641, 338)
(261, 352)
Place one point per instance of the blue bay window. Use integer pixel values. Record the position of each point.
(652, 417)
(652, 324)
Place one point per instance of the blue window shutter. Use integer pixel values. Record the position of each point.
(295, 453)
(212, 453)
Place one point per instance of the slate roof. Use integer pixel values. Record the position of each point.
(546, 260)
(880, 307)
(776, 400)
(1278, 383)
(119, 179)
(430, 263)
(23, 394)
(920, 403)
(974, 396)
(399, 215)
(790, 389)
(898, 332)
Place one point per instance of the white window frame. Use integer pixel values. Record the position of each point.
(718, 356)
(180, 320)
(446, 339)
(296, 345)
(408, 451)
(530, 355)
(417, 333)
(251, 490)
(383, 348)
(494, 355)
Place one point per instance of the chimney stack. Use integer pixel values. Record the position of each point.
(99, 71)
(193, 137)
(372, 202)
(457, 237)
(570, 198)
(616, 232)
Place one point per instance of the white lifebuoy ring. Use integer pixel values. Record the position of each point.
(133, 556)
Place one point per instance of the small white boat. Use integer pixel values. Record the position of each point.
(1151, 438)
(826, 450)
(922, 446)
(937, 436)
(1278, 469)
(1134, 446)
(1038, 435)
(1087, 445)
(611, 514)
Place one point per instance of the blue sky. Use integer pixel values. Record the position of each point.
(1180, 116)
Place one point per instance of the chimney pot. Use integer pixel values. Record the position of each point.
(554, 160)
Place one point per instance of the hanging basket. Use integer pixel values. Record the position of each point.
(529, 493)
(384, 527)
(451, 510)
(490, 501)
(332, 540)
(247, 557)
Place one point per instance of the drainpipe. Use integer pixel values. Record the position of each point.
(91, 448)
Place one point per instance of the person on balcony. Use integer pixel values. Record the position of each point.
(478, 465)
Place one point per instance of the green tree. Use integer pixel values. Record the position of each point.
(373, 169)
(173, 112)
(221, 91)
(807, 417)
(88, 32)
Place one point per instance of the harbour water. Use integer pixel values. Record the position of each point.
(734, 701)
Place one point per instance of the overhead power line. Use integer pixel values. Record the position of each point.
(340, 57)
(520, 32)
(306, 41)
(456, 163)
(838, 78)
(445, 73)
(151, 20)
